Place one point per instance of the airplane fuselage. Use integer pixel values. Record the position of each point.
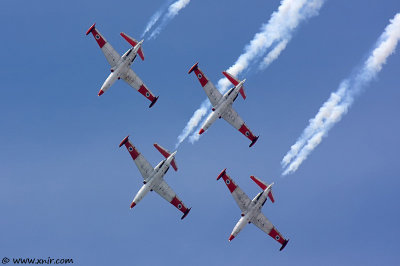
(252, 211)
(154, 180)
(220, 108)
(122, 67)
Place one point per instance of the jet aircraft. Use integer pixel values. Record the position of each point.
(251, 209)
(120, 65)
(153, 177)
(222, 104)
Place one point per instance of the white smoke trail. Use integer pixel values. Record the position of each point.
(173, 10)
(339, 102)
(273, 54)
(152, 21)
(278, 30)
(156, 16)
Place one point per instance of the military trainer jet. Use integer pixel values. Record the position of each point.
(120, 66)
(251, 209)
(222, 104)
(153, 177)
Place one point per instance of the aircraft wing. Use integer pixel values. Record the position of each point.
(238, 195)
(232, 117)
(132, 79)
(169, 195)
(265, 225)
(142, 164)
(212, 93)
(111, 55)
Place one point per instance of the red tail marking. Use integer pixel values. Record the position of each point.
(231, 78)
(242, 93)
(271, 197)
(166, 155)
(133, 43)
(263, 187)
(231, 237)
(258, 182)
(133, 204)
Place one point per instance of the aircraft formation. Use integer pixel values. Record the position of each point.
(153, 177)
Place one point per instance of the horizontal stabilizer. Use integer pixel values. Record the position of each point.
(235, 82)
(166, 154)
(263, 186)
(133, 42)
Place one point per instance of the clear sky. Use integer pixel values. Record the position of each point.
(66, 187)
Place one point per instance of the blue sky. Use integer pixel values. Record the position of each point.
(67, 187)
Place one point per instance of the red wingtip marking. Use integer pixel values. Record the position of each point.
(90, 29)
(201, 131)
(221, 174)
(124, 141)
(133, 204)
(193, 68)
(100, 92)
(231, 237)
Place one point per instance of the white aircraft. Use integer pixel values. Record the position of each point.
(251, 209)
(120, 66)
(222, 104)
(153, 177)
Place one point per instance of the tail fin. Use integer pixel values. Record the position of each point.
(263, 186)
(166, 154)
(235, 82)
(133, 42)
